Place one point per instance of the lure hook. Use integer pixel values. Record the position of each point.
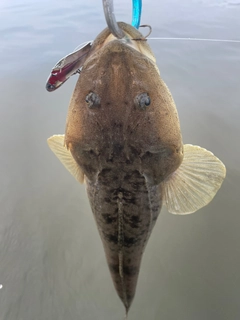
(111, 20)
(145, 37)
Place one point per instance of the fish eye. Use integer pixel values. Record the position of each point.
(142, 100)
(92, 100)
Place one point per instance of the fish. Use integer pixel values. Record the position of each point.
(123, 140)
(67, 66)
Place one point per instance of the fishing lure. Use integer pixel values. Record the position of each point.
(67, 66)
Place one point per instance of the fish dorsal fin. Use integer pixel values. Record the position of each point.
(57, 145)
(194, 184)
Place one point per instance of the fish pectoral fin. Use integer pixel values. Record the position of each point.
(194, 184)
(57, 145)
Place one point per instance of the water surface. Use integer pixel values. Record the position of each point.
(52, 264)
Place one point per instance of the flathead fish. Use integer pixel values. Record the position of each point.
(123, 139)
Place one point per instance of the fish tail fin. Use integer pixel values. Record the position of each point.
(194, 184)
(126, 313)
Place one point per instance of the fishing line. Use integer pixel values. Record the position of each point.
(81, 45)
(196, 39)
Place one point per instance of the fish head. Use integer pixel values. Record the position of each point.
(121, 108)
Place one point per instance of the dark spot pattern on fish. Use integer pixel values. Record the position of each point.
(124, 233)
(130, 271)
(110, 237)
(108, 218)
(133, 221)
(114, 268)
(129, 241)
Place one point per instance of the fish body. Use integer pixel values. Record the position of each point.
(67, 66)
(123, 139)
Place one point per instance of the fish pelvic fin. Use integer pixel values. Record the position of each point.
(195, 183)
(57, 145)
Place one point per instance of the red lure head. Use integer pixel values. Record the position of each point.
(58, 77)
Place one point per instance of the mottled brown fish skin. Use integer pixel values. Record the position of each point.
(124, 151)
(125, 209)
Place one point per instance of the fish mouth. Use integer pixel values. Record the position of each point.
(127, 41)
(132, 38)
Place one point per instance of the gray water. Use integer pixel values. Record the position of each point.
(52, 264)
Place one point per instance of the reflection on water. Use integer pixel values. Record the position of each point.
(52, 264)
